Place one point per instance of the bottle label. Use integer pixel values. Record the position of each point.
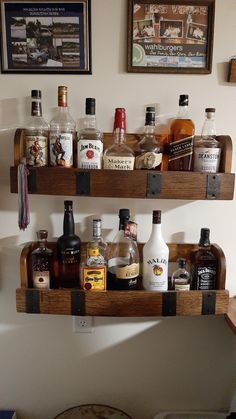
(156, 274)
(41, 279)
(122, 269)
(148, 160)
(206, 159)
(182, 287)
(93, 278)
(36, 151)
(130, 230)
(180, 148)
(206, 278)
(89, 154)
(61, 149)
(118, 163)
(70, 256)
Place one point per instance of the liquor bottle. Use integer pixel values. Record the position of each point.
(68, 251)
(181, 278)
(123, 256)
(42, 263)
(62, 133)
(97, 240)
(148, 153)
(119, 156)
(155, 258)
(180, 147)
(207, 149)
(90, 140)
(204, 264)
(36, 134)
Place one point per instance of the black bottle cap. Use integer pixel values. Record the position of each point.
(124, 213)
(210, 110)
(68, 205)
(156, 217)
(36, 94)
(183, 100)
(182, 263)
(205, 237)
(90, 106)
(150, 116)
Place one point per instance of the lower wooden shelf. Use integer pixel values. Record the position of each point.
(230, 316)
(121, 303)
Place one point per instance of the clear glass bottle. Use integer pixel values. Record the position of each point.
(68, 251)
(148, 153)
(62, 133)
(42, 263)
(181, 278)
(123, 257)
(180, 143)
(36, 134)
(119, 156)
(207, 149)
(204, 264)
(90, 140)
(155, 258)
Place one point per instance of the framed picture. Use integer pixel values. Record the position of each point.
(46, 36)
(170, 36)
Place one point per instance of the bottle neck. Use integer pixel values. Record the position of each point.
(36, 107)
(149, 129)
(119, 136)
(122, 224)
(90, 121)
(68, 224)
(183, 112)
(42, 244)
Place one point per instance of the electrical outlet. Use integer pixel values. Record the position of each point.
(83, 324)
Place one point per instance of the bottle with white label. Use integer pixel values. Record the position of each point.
(119, 156)
(62, 133)
(207, 149)
(90, 140)
(181, 278)
(155, 258)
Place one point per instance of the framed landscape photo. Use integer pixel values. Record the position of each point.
(46, 36)
(170, 36)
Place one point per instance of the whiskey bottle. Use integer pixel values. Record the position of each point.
(155, 258)
(90, 140)
(119, 156)
(181, 278)
(204, 264)
(42, 263)
(36, 134)
(148, 153)
(62, 133)
(180, 147)
(123, 256)
(207, 149)
(68, 251)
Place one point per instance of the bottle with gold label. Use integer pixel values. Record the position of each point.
(42, 263)
(93, 269)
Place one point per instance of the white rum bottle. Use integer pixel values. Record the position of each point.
(155, 258)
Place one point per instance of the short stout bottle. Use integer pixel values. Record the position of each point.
(36, 134)
(180, 147)
(148, 153)
(42, 263)
(207, 149)
(62, 133)
(68, 251)
(204, 264)
(181, 278)
(123, 256)
(119, 156)
(90, 140)
(155, 258)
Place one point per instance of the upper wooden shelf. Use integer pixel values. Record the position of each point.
(128, 184)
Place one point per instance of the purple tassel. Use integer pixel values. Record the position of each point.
(23, 202)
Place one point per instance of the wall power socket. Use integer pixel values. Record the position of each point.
(83, 324)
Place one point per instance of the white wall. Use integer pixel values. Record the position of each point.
(139, 365)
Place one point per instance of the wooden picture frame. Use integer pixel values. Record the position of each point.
(46, 37)
(171, 36)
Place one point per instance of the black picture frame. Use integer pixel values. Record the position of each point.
(46, 36)
(171, 36)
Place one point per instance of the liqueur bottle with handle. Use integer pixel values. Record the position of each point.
(68, 251)
(180, 146)
(123, 256)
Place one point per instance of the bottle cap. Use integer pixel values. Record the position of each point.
(151, 109)
(205, 237)
(182, 263)
(210, 110)
(62, 96)
(124, 213)
(150, 116)
(90, 106)
(183, 100)
(156, 217)
(68, 204)
(120, 118)
(42, 234)
(97, 226)
(36, 94)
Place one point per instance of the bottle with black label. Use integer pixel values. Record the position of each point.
(68, 251)
(42, 263)
(204, 264)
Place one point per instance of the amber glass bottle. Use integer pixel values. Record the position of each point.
(180, 147)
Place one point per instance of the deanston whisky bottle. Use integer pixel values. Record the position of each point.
(180, 147)
(42, 263)
(68, 251)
